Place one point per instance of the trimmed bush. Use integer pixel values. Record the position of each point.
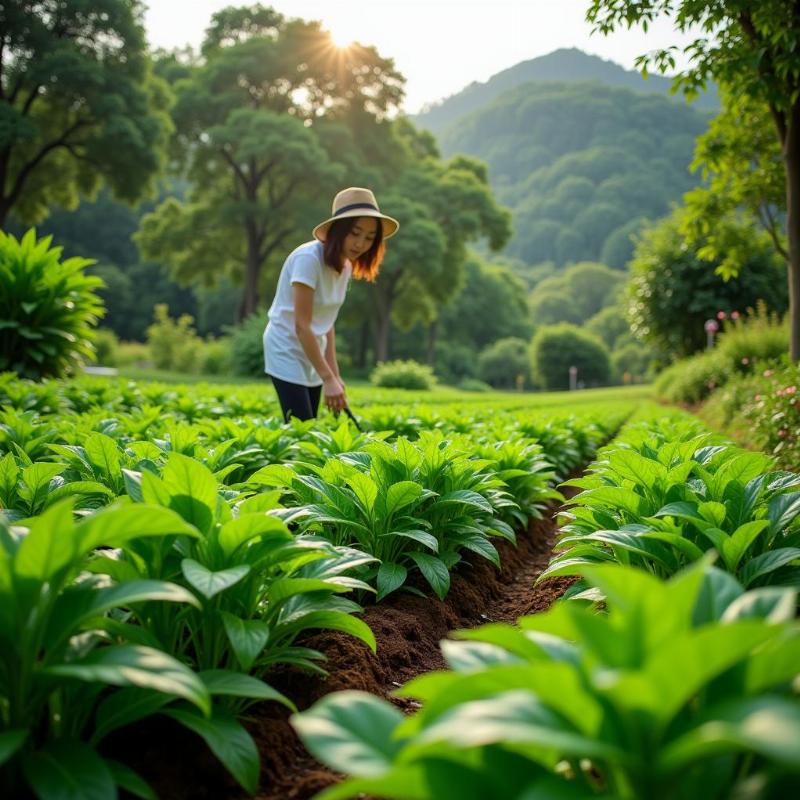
(505, 364)
(403, 375)
(474, 385)
(556, 348)
(48, 308)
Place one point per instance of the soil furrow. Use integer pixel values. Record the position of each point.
(408, 630)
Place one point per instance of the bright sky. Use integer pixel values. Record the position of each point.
(440, 46)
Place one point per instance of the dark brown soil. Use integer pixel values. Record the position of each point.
(408, 630)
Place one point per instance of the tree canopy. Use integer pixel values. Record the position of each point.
(749, 49)
(79, 105)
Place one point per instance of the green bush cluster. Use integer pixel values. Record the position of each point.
(745, 345)
(556, 348)
(403, 375)
(106, 347)
(173, 344)
(49, 308)
(247, 347)
(505, 364)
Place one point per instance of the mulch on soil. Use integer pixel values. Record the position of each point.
(408, 630)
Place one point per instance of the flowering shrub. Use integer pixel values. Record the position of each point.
(775, 414)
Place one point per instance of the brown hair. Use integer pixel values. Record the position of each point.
(367, 265)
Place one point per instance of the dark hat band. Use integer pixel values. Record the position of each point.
(356, 205)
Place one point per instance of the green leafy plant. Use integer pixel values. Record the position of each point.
(681, 690)
(49, 308)
(664, 496)
(59, 657)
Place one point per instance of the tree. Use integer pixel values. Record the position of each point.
(78, 105)
(672, 291)
(750, 49)
(556, 348)
(248, 119)
(741, 162)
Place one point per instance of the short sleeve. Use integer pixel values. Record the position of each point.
(305, 270)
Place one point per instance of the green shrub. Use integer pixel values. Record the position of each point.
(774, 414)
(173, 344)
(403, 375)
(474, 385)
(247, 347)
(132, 354)
(49, 308)
(556, 348)
(215, 357)
(745, 346)
(106, 346)
(454, 361)
(505, 364)
(631, 361)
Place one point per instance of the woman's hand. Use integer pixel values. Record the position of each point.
(335, 398)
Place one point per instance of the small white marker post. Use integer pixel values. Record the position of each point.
(573, 378)
(711, 326)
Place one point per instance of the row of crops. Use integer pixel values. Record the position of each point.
(670, 670)
(163, 550)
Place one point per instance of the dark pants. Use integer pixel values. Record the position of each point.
(301, 402)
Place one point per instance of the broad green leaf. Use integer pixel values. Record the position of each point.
(402, 494)
(351, 732)
(740, 540)
(419, 536)
(390, 577)
(712, 512)
(284, 588)
(235, 684)
(772, 603)
(767, 562)
(132, 783)
(193, 490)
(515, 717)
(634, 467)
(242, 529)
(718, 590)
(406, 781)
(336, 621)
(615, 497)
(783, 510)
(228, 740)
(132, 665)
(210, 583)
(102, 452)
(434, 571)
(10, 742)
(365, 489)
(768, 726)
(50, 545)
(247, 637)
(69, 770)
(124, 707)
(114, 527)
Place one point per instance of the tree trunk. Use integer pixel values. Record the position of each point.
(433, 330)
(792, 162)
(252, 267)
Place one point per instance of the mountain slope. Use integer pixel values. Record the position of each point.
(565, 65)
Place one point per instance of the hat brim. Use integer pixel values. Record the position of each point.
(389, 224)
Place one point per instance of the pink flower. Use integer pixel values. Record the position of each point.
(758, 398)
(721, 315)
(790, 390)
(767, 373)
(735, 315)
(782, 433)
(745, 361)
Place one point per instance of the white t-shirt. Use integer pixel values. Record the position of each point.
(284, 356)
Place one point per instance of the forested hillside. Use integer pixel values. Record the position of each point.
(581, 165)
(566, 65)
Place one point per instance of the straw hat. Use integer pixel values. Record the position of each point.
(356, 202)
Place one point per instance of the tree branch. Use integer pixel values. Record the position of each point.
(769, 223)
(26, 170)
(234, 166)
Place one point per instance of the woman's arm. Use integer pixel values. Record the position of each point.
(333, 390)
(330, 353)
